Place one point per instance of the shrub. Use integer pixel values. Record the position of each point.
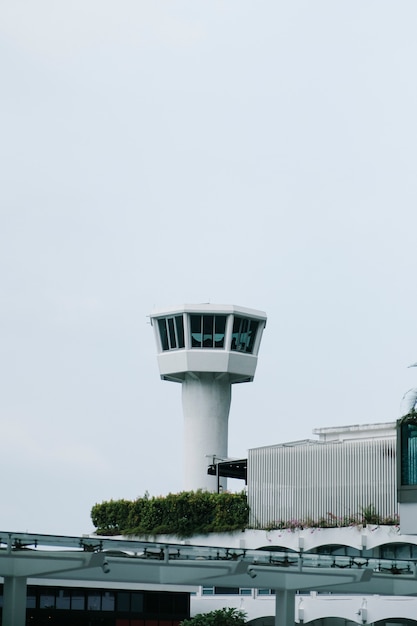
(220, 617)
(184, 514)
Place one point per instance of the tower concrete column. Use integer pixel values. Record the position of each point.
(206, 403)
(284, 607)
(14, 601)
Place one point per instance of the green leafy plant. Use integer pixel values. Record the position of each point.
(184, 514)
(220, 617)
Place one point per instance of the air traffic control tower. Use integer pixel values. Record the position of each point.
(206, 348)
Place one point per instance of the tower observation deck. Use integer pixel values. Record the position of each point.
(206, 348)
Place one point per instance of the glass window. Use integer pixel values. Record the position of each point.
(152, 603)
(163, 334)
(171, 332)
(208, 591)
(226, 591)
(47, 600)
(93, 601)
(195, 323)
(30, 599)
(165, 604)
(123, 601)
(336, 550)
(409, 452)
(179, 326)
(108, 601)
(181, 604)
(244, 334)
(245, 591)
(207, 331)
(398, 551)
(77, 600)
(63, 599)
(219, 331)
(137, 602)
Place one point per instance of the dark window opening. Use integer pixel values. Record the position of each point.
(226, 591)
(108, 601)
(47, 600)
(136, 602)
(63, 599)
(94, 601)
(409, 452)
(171, 332)
(244, 334)
(123, 601)
(207, 331)
(105, 606)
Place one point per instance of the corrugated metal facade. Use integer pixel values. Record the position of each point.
(319, 480)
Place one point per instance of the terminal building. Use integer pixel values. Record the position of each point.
(332, 575)
(324, 545)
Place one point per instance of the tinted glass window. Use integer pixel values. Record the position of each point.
(30, 599)
(77, 600)
(94, 601)
(63, 599)
(409, 453)
(179, 324)
(181, 604)
(165, 604)
(226, 591)
(244, 334)
(137, 602)
(123, 601)
(208, 591)
(171, 332)
(152, 604)
(108, 601)
(47, 600)
(163, 334)
(398, 551)
(219, 331)
(207, 331)
(195, 323)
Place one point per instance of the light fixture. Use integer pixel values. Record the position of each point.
(105, 567)
(252, 573)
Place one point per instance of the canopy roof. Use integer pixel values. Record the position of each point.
(118, 560)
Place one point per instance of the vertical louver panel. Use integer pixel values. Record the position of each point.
(321, 480)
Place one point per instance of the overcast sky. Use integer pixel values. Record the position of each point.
(153, 153)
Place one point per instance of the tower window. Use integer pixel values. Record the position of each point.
(171, 332)
(207, 331)
(244, 333)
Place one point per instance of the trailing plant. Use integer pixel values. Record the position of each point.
(367, 515)
(184, 514)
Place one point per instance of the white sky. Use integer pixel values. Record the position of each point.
(154, 153)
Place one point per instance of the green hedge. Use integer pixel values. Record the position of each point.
(183, 514)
